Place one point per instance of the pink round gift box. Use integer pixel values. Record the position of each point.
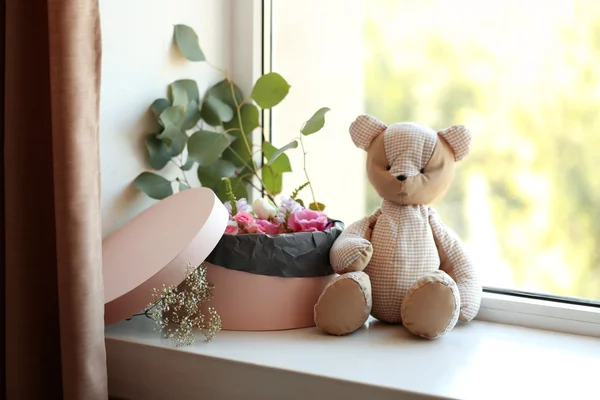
(253, 302)
(156, 246)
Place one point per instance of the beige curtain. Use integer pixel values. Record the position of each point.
(52, 277)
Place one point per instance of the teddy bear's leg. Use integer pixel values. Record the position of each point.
(345, 304)
(431, 306)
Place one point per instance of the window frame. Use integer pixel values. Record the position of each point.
(251, 43)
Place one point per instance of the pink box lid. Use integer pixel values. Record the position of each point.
(155, 247)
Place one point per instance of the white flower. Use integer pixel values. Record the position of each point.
(264, 208)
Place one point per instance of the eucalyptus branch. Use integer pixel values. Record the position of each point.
(238, 108)
(180, 166)
(306, 174)
(254, 172)
(257, 188)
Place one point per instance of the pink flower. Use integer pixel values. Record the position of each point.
(268, 227)
(244, 219)
(306, 220)
(252, 228)
(232, 230)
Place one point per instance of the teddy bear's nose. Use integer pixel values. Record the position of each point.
(401, 177)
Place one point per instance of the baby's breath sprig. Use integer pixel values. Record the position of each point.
(177, 309)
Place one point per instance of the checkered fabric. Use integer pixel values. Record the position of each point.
(459, 138)
(459, 266)
(408, 147)
(353, 240)
(403, 251)
(364, 129)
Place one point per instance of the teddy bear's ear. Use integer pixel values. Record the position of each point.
(364, 129)
(459, 139)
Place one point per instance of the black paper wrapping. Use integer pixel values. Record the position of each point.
(289, 255)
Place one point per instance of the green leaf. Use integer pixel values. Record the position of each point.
(315, 123)
(175, 140)
(269, 90)
(192, 115)
(171, 119)
(210, 175)
(281, 162)
(316, 206)
(187, 41)
(158, 106)
(206, 147)
(183, 186)
(158, 152)
(187, 86)
(274, 156)
(299, 201)
(155, 186)
(215, 111)
(273, 181)
(222, 91)
(250, 122)
(172, 116)
(179, 96)
(238, 149)
(250, 119)
(188, 164)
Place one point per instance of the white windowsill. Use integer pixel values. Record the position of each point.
(479, 360)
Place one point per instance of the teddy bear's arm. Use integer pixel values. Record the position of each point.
(352, 251)
(456, 262)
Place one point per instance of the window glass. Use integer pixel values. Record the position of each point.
(523, 76)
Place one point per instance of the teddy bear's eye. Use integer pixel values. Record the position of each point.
(388, 167)
(422, 170)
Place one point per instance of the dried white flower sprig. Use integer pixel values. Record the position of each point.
(177, 310)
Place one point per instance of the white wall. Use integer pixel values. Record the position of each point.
(138, 63)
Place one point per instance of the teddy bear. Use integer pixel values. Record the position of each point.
(401, 264)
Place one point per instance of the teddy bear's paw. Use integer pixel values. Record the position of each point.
(350, 254)
(345, 304)
(431, 306)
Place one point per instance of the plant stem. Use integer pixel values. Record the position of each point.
(238, 107)
(243, 102)
(185, 179)
(217, 68)
(306, 174)
(257, 188)
(254, 172)
(180, 166)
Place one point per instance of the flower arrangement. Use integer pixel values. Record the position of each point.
(263, 216)
(214, 133)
